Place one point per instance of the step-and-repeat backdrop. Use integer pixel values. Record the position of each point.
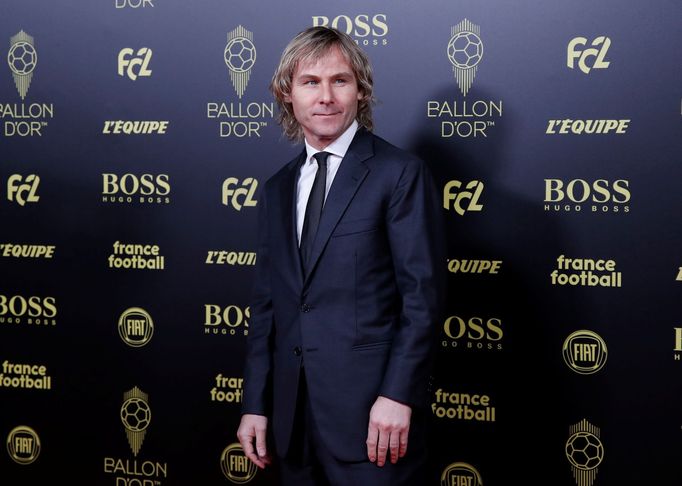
(135, 136)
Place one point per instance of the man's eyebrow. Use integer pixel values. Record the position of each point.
(346, 74)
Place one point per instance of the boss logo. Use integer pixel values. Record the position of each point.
(227, 320)
(35, 308)
(600, 47)
(19, 306)
(359, 26)
(475, 328)
(134, 66)
(130, 184)
(579, 191)
(603, 196)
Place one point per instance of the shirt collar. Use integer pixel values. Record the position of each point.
(338, 147)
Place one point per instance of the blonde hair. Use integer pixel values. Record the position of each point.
(312, 44)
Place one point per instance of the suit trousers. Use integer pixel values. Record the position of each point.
(309, 463)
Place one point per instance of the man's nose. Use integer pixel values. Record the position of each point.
(326, 93)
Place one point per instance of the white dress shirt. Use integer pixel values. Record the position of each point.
(306, 177)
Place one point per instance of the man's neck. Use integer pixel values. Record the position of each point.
(339, 145)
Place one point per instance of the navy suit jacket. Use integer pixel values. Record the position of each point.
(363, 320)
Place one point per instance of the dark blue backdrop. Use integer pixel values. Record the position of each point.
(506, 328)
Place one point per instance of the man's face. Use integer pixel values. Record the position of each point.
(324, 96)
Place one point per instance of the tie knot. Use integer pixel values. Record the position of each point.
(321, 158)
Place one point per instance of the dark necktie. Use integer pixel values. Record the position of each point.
(313, 209)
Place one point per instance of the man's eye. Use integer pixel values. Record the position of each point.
(340, 81)
(311, 82)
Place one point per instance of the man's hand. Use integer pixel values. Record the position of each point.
(389, 426)
(254, 427)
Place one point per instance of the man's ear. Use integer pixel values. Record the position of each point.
(287, 98)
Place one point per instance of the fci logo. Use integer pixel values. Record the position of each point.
(242, 196)
(134, 66)
(25, 191)
(463, 200)
(576, 51)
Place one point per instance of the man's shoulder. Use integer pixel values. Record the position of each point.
(390, 155)
(284, 171)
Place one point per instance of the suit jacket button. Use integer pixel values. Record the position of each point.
(297, 351)
(305, 308)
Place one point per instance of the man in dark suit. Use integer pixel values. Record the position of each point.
(348, 285)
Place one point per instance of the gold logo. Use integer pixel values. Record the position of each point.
(471, 195)
(600, 47)
(27, 376)
(23, 192)
(137, 127)
(600, 195)
(236, 466)
(585, 352)
(465, 51)
(226, 320)
(228, 389)
(23, 445)
(585, 452)
(223, 257)
(134, 66)
(678, 344)
(586, 272)
(463, 406)
(16, 309)
(22, 59)
(136, 257)
(474, 266)
(460, 474)
(135, 326)
(474, 333)
(130, 188)
(240, 56)
(136, 417)
(242, 196)
(588, 127)
(26, 251)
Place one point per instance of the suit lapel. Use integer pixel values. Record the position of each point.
(287, 189)
(350, 175)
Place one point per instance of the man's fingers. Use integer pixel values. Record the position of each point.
(403, 443)
(253, 428)
(382, 446)
(249, 452)
(372, 434)
(260, 442)
(394, 445)
(389, 426)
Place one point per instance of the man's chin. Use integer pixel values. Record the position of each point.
(328, 134)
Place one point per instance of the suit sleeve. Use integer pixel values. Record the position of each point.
(414, 224)
(257, 371)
